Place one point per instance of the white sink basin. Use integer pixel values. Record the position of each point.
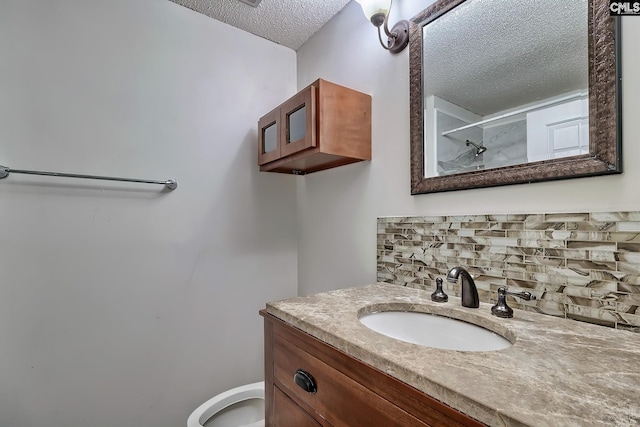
(434, 331)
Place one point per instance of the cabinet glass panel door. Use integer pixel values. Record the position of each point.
(268, 137)
(297, 121)
(298, 117)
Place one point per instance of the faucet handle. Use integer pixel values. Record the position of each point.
(501, 309)
(439, 295)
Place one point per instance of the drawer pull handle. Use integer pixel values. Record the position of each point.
(305, 381)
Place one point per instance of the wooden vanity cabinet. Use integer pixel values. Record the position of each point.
(348, 392)
(323, 126)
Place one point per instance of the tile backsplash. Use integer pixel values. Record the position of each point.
(583, 266)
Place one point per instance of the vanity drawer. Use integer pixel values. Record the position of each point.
(290, 414)
(339, 399)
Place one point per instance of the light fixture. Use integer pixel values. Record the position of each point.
(378, 12)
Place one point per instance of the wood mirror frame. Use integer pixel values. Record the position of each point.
(605, 145)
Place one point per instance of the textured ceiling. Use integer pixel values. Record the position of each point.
(286, 22)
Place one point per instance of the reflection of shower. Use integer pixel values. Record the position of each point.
(479, 148)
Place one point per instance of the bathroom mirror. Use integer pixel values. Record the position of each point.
(505, 92)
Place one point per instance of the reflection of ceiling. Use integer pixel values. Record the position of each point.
(491, 55)
(286, 22)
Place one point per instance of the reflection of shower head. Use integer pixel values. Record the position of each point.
(479, 148)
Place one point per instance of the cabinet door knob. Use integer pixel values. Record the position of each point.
(305, 381)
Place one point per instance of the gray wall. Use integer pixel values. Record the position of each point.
(121, 305)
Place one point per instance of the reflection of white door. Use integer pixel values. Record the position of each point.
(568, 138)
(558, 131)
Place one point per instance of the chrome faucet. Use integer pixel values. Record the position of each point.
(469, 291)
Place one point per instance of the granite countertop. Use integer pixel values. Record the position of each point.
(558, 372)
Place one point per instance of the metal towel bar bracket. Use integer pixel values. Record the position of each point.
(170, 184)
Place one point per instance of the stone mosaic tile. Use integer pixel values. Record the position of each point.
(583, 266)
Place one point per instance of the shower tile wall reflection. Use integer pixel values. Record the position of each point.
(504, 143)
(453, 154)
(508, 144)
(583, 266)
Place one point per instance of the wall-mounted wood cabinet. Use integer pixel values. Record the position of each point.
(323, 126)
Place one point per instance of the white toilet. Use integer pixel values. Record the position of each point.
(239, 407)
